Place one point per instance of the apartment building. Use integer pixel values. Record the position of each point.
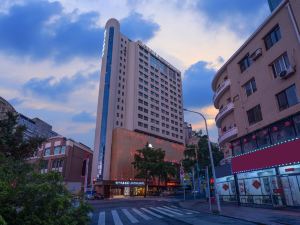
(68, 157)
(140, 101)
(257, 92)
(5, 107)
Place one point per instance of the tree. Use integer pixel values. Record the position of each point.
(12, 142)
(27, 197)
(203, 157)
(145, 162)
(150, 163)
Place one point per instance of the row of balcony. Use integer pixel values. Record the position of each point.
(220, 90)
(227, 135)
(224, 112)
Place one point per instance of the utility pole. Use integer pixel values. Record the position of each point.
(211, 158)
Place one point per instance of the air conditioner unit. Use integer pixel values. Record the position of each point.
(286, 73)
(255, 55)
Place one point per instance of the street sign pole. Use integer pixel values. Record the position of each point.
(208, 188)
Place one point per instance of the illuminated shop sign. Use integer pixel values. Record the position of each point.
(129, 183)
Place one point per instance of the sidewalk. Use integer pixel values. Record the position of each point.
(250, 214)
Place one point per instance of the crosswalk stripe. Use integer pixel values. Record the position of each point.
(116, 217)
(188, 210)
(130, 216)
(177, 210)
(170, 211)
(101, 219)
(152, 213)
(141, 214)
(162, 212)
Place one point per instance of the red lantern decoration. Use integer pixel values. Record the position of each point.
(265, 132)
(245, 140)
(275, 129)
(287, 123)
(253, 137)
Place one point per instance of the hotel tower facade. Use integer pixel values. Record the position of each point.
(140, 102)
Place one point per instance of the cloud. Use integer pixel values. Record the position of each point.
(59, 90)
(236, 14)
(196, 85)
(137, 28)
(40, 29)
(84, 117)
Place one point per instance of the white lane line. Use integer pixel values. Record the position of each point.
(130, 216)
(116, 217)
(170, 211)
(162, 212)
(152, 213)
(177, 210)
(188, 210)
(141, 214)
(101, 219)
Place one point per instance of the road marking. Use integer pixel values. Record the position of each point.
(188, 210)
(162, 212)
(101, 219)
(116, 217)
(141, 214)
(177, 210)
(152, 213)
(130, 216)
(170, 211)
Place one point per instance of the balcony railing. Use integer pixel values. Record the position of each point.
(224, 112)
(227, 135)
(223, 87)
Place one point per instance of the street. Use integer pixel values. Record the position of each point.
(152, 211)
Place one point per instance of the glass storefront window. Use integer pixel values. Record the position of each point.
(282, 131)
(297, 124)
(263, 138)
(249, 143)
(236, 147)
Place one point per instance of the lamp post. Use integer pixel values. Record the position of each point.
(211, 157)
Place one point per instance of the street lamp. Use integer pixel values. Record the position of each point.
(211, 157)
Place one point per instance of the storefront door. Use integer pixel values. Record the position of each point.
(291, 187)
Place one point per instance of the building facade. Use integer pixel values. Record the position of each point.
(140, 96)
(257, 92)
(72, 159)
(35, 127)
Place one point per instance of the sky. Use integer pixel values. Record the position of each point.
(50, 52)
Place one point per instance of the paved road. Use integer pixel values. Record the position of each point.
(152, 212)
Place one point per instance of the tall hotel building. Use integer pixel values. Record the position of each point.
(140, 102)
(257, 92)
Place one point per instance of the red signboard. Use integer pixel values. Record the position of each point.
(269, 157)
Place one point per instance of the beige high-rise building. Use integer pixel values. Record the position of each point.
(140, 101)
(257, 92)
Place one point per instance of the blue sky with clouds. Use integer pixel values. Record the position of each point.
(50, 51)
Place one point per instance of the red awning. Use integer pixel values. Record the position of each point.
(286, 153)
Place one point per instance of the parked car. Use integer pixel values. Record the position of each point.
(93, 195)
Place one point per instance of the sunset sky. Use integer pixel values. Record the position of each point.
(50, 52)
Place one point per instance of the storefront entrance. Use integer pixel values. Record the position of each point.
(290, 178)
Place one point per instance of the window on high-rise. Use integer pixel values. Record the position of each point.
(245, 63)
(250, 87)
(272, 37)
(254, 115)
(281, 64)
(47, 152)
(287, 97)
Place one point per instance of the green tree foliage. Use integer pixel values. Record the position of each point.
(27, 197)
(12, 142)
(203, 157)
(149, 163)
